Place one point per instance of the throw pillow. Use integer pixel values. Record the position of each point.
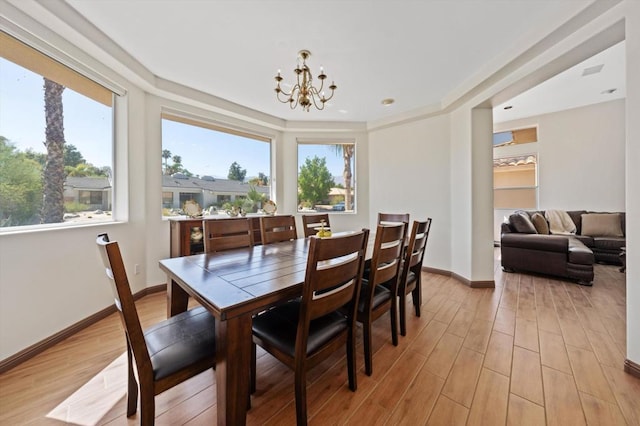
(540, 223)
(522, 223)
(601, 225)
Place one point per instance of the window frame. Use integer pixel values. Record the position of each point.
(24, 50)
(186, 118)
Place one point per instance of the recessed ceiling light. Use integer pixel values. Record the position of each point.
(592, 70)
(508, 107)
(608, 91)
(388, 101)
(343, 111)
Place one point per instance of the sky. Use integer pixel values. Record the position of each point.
(87, 123)
(88, 126)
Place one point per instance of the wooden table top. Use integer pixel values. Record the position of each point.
(236, 282)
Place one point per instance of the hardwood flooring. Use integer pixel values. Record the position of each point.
(532, 351)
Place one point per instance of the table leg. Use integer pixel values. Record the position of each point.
(233, 360)
(177, 298)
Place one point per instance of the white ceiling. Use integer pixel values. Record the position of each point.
(417, 52)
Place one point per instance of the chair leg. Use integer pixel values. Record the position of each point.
(368, 358)
(351, 360)
(301, 394)
(147, 405)
(403, 312)
(253, 370)
(416, 294)
(393, 314)
(132, 389)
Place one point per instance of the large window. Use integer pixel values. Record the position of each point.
(56, 141)
(220, 169)
(326, 176)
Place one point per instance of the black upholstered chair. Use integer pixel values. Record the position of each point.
(410, 278)
(378, 294)
(305, 331)
(226, 234)
(166, 354)
(274, 229)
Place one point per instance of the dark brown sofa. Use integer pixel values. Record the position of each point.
(525, 248)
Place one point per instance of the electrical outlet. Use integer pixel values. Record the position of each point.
(136, 269)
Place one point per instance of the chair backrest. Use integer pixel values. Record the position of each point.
(416, 248)
(390, 218)
(333, 276)
(274, 229)
(312, 221)
(388, 250)
(114, 268)
(225, 234)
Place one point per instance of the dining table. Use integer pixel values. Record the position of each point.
(234, 285)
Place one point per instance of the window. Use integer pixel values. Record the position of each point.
(216, 167)
(515, 137)
(326, 177)
(515, 182)
(69, 177)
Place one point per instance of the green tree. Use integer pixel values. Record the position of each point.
(260, 180)
(20, 187)
(346, 151)
(72, 157)
(53, 175)
(236, 172)
(86, 170)
(314, 180)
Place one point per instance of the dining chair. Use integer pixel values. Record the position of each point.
(274, 229)
(312, 221)
(410, 278)
(305, 331)
(394, 218)
(167, 353)
(378, 294)
(225, 234)
(390, 218)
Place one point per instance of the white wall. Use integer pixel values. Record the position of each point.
(409, 173)
(581, 153)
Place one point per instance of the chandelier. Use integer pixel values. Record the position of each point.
(304, 93)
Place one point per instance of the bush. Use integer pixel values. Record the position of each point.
(75, 207)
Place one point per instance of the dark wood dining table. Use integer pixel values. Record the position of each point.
(234, 285)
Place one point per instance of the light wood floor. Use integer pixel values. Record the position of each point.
(531, 351)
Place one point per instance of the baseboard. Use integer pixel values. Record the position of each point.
(39, 347)
(437, 271)
(463, 280)
(632, 368)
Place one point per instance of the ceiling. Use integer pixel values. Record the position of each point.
(416, 52)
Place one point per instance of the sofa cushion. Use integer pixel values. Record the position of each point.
(607, 243)
(585, 239)
(521, 222)
(540, 223)
(579, 253)
(601, 225)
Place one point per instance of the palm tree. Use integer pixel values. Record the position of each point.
(347, 151)
(53, 174)
(166, 154)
